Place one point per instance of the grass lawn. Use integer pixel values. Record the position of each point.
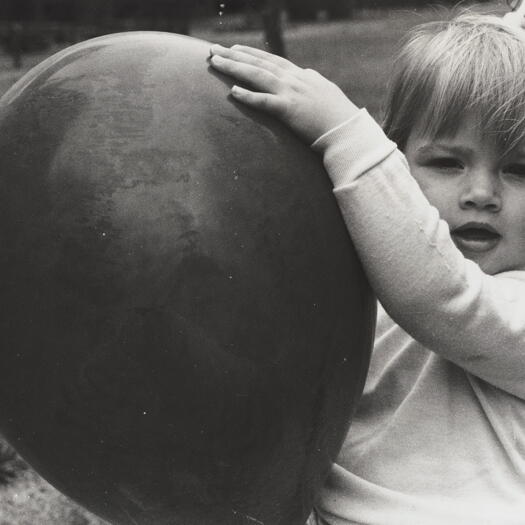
(357, 56)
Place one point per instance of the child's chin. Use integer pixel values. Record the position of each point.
(480, 259)
(492, 265)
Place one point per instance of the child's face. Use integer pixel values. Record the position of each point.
(479, 194)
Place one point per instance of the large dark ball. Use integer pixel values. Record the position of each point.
(184, 325)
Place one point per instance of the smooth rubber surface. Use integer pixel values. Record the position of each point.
(184, 325)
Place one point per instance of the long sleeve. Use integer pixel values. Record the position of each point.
(426, 285)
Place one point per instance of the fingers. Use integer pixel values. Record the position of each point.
(262, 101)
(240, 54)
(259, 78)
(264, 55)
(270, 76)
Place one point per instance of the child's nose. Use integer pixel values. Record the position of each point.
(481, 192)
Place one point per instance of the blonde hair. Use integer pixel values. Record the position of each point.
(470, 65)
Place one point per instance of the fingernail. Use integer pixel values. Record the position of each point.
(215, 48)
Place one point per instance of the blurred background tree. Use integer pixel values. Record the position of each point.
(29, 25)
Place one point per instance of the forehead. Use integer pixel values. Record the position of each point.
(467, 133)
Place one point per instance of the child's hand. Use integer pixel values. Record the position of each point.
(302, 98)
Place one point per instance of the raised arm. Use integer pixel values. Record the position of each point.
(424, 282)
(302, 98)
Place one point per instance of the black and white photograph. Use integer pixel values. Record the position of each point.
(262, 262)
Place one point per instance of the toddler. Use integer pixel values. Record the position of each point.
(437, 214)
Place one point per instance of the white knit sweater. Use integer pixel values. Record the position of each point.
(439, 435)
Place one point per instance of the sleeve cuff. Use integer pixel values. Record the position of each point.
(353, 148)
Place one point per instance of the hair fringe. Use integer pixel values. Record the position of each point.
(469, 65)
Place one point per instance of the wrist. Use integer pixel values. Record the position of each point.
(330, 120)
(353, 147)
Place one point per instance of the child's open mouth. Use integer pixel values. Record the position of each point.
(475, 237)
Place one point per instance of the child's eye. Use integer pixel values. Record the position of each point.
(445, 163)
(515, 170)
